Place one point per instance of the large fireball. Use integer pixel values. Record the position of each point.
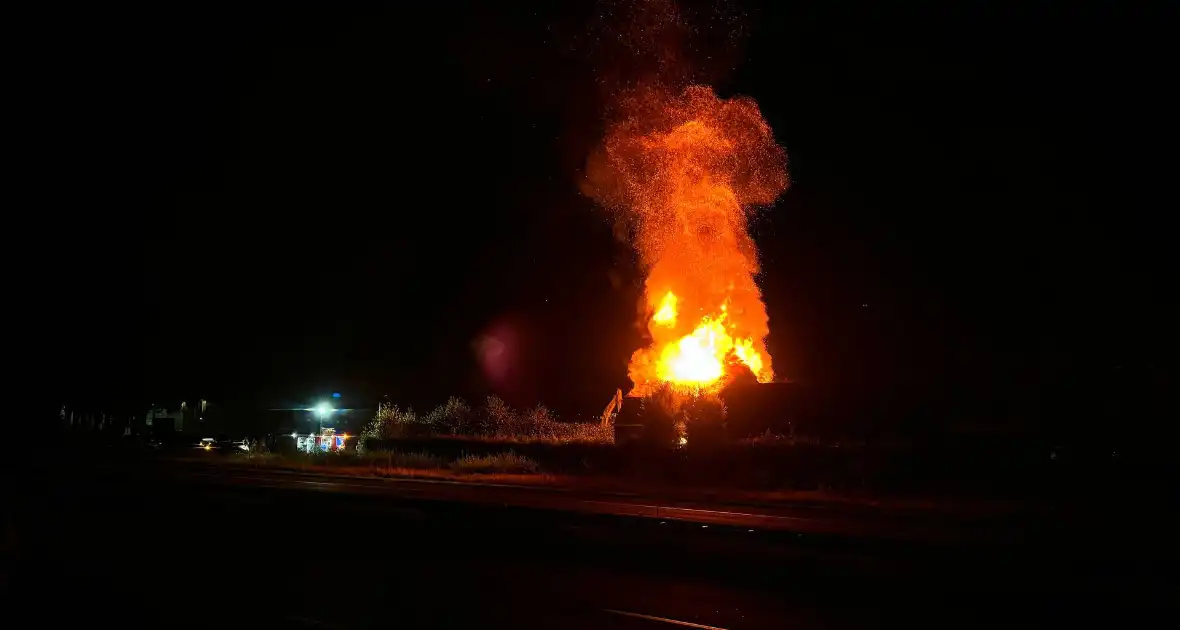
(683, 173)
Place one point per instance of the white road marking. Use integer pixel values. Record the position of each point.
(675, 622)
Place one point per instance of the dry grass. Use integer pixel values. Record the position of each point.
(508, 462)
(390, 463)
(407, 461)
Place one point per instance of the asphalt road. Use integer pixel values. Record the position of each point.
(189, 550)
(798, 520)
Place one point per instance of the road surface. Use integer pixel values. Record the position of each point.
(798, 520)
(197, 551)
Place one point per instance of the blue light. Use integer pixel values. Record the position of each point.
(335, 394)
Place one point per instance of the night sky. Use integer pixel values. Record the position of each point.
(260, 206)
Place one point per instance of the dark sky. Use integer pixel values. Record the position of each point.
(264, 205)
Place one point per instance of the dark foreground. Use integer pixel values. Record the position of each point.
(150, 545)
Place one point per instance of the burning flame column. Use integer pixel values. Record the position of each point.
(683, 172)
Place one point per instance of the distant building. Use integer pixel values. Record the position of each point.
(163, 420)
(184, 419)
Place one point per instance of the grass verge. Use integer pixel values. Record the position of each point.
(387, 463)
(512, 468)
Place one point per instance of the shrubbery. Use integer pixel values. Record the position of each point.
(494, 420)
(454, 417)
(673, 416)
(391, 421)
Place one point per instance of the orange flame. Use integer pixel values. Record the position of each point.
(683, 173)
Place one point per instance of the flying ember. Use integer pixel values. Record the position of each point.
(684, 172)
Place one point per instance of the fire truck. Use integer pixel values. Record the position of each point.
(327, 440)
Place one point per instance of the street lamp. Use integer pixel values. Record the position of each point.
(321, 410)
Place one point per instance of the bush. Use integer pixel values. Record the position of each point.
(535, 424)
(508, 462)
(539, 424)
(771, 439)
(494, 420)
(704, 418)
(662, 417)
(498, 417)
(390, 421)
(674, 416)
(453, 417)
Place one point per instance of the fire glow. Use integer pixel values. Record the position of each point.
(684, 172)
